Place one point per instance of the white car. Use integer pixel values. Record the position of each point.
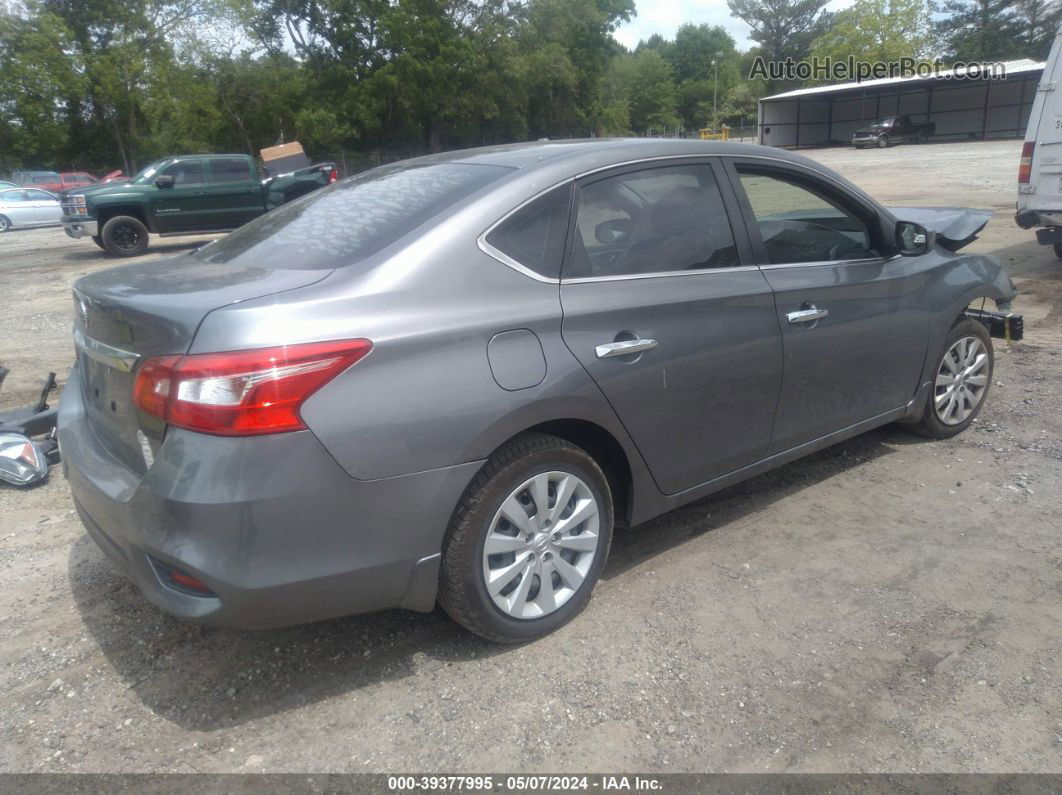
(28, 207)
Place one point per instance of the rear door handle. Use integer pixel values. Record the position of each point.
(624, 348)
(807, 315)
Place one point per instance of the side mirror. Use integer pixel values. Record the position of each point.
(912, 240)
(612, 231)
(164, 181)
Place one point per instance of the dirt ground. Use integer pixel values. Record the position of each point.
(889, 604)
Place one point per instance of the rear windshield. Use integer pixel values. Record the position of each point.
(352, 219)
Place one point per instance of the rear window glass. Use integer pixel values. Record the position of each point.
(352, 219)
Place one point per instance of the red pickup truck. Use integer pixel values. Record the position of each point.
(56, 182)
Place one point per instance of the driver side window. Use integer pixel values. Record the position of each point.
(185, 172)
(800, 225)
(657, 220)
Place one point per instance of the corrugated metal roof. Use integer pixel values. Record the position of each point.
(1013, 67)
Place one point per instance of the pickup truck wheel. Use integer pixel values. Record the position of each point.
(1058, 250)
(99, 241)
(961, 382)
(5, 224)
(528, 540)
(124, 236)
(883, 141)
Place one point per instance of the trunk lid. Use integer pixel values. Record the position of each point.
(127, 314)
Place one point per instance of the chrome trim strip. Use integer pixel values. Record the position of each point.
(659, 275)
(829, 263)
(104, 353)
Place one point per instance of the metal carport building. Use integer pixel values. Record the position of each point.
(973, 108)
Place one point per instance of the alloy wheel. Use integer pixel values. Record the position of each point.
(961, 380)
(4, 224)
(541, 544)
(126, 237)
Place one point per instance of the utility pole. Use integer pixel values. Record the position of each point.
(715, 93)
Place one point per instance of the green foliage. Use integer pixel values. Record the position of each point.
(100, 84)
(878, 30)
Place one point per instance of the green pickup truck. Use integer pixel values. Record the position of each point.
(185, 195)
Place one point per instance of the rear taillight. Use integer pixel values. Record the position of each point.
(333, 175)
(1025, 164)
(241, 393)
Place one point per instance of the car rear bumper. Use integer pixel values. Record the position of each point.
(272, 525)
(78, 227)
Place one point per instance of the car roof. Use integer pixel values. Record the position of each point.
(580, 155)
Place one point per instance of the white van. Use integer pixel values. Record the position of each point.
(1040, 172)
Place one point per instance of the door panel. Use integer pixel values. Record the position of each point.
(858, 348)
(18, 209)
(233, 193)
(863, 359)
(46, 208)
(654, 262)
(184, 206)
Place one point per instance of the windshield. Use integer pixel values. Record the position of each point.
(146, 173)
(886, 122)
(353, 219)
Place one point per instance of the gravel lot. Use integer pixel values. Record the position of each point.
(889, 604)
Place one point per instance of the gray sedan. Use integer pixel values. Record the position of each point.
(28, 207)
(448, 379)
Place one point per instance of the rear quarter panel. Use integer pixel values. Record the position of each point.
(425, 397)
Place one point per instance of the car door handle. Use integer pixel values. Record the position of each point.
(624, 348)
(807, 315)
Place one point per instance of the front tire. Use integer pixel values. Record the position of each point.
(124, 236)
(883, 141)
(528, 541)
(961, 382)
(5, 223)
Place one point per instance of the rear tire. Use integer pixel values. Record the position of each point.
(5, 223)
(124, 236)
(540, 549)
(961, 382)
(1058, 250)
(99, 241)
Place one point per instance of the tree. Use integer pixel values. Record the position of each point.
(782, 28)
(1039, 20)
(652, 92)
(981, 30)
(878, 31)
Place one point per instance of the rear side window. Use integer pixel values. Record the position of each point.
(229, 169)
(39, 196)
(353, 219)
(534, 235)
(11, 196)
(657, 220)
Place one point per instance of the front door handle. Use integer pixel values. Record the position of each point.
(624, 348)
(807, 315)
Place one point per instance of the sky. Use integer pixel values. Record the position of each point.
(665, 17)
